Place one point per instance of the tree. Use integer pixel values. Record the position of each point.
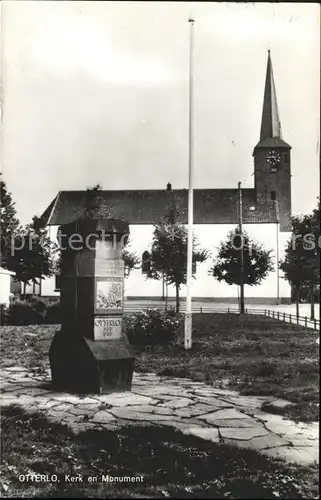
(34, 253)
(301, 264)
(227, 265)
(27, 251)
(168, 254)
(96, 206)
(9, 226)
(131, 261)
(315, 227)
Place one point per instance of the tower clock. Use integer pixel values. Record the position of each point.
(273, 158)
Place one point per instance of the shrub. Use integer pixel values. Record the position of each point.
(23, 312)
(39, 306)
(53, 314)
(32, 311)
(3, 314)
(152, 326)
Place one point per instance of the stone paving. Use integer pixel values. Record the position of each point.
(217, 415)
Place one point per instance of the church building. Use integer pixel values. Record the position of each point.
(266, 214)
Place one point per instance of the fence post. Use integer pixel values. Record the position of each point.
(283, 316)
(228, 310)
(297, 320)
(246, 311)
(306, 321)
(201, 310)
(315, 324)
(290, 318)
(278, 315)
(273, 314)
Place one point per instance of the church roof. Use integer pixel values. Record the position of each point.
(211, 206)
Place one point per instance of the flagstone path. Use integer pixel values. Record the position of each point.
(217, 415)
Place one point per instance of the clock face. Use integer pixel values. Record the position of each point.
(273, 157)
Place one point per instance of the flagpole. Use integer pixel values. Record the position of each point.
(188, 312)
(241, 249)
(277, 252)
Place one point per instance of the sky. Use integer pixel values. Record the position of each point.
(97, 92)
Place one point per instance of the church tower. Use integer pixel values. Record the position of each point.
(272, 160)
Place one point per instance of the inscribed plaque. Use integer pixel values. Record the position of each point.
(107, 328)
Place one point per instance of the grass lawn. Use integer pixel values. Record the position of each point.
(253, 354)
(172, 464)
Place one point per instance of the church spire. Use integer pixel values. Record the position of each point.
(270, 125)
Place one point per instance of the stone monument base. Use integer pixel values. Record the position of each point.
(86, 366)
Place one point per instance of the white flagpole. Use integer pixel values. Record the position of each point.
(188, 312)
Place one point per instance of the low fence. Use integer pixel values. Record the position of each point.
(203, 309)
(293, 318)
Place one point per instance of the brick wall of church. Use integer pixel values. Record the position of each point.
(275, 184)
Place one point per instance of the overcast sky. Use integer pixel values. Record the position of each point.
(98, 92)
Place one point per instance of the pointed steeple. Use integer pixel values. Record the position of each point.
(271, 134)
(270, 125)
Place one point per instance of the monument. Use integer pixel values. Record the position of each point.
(91, 353)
